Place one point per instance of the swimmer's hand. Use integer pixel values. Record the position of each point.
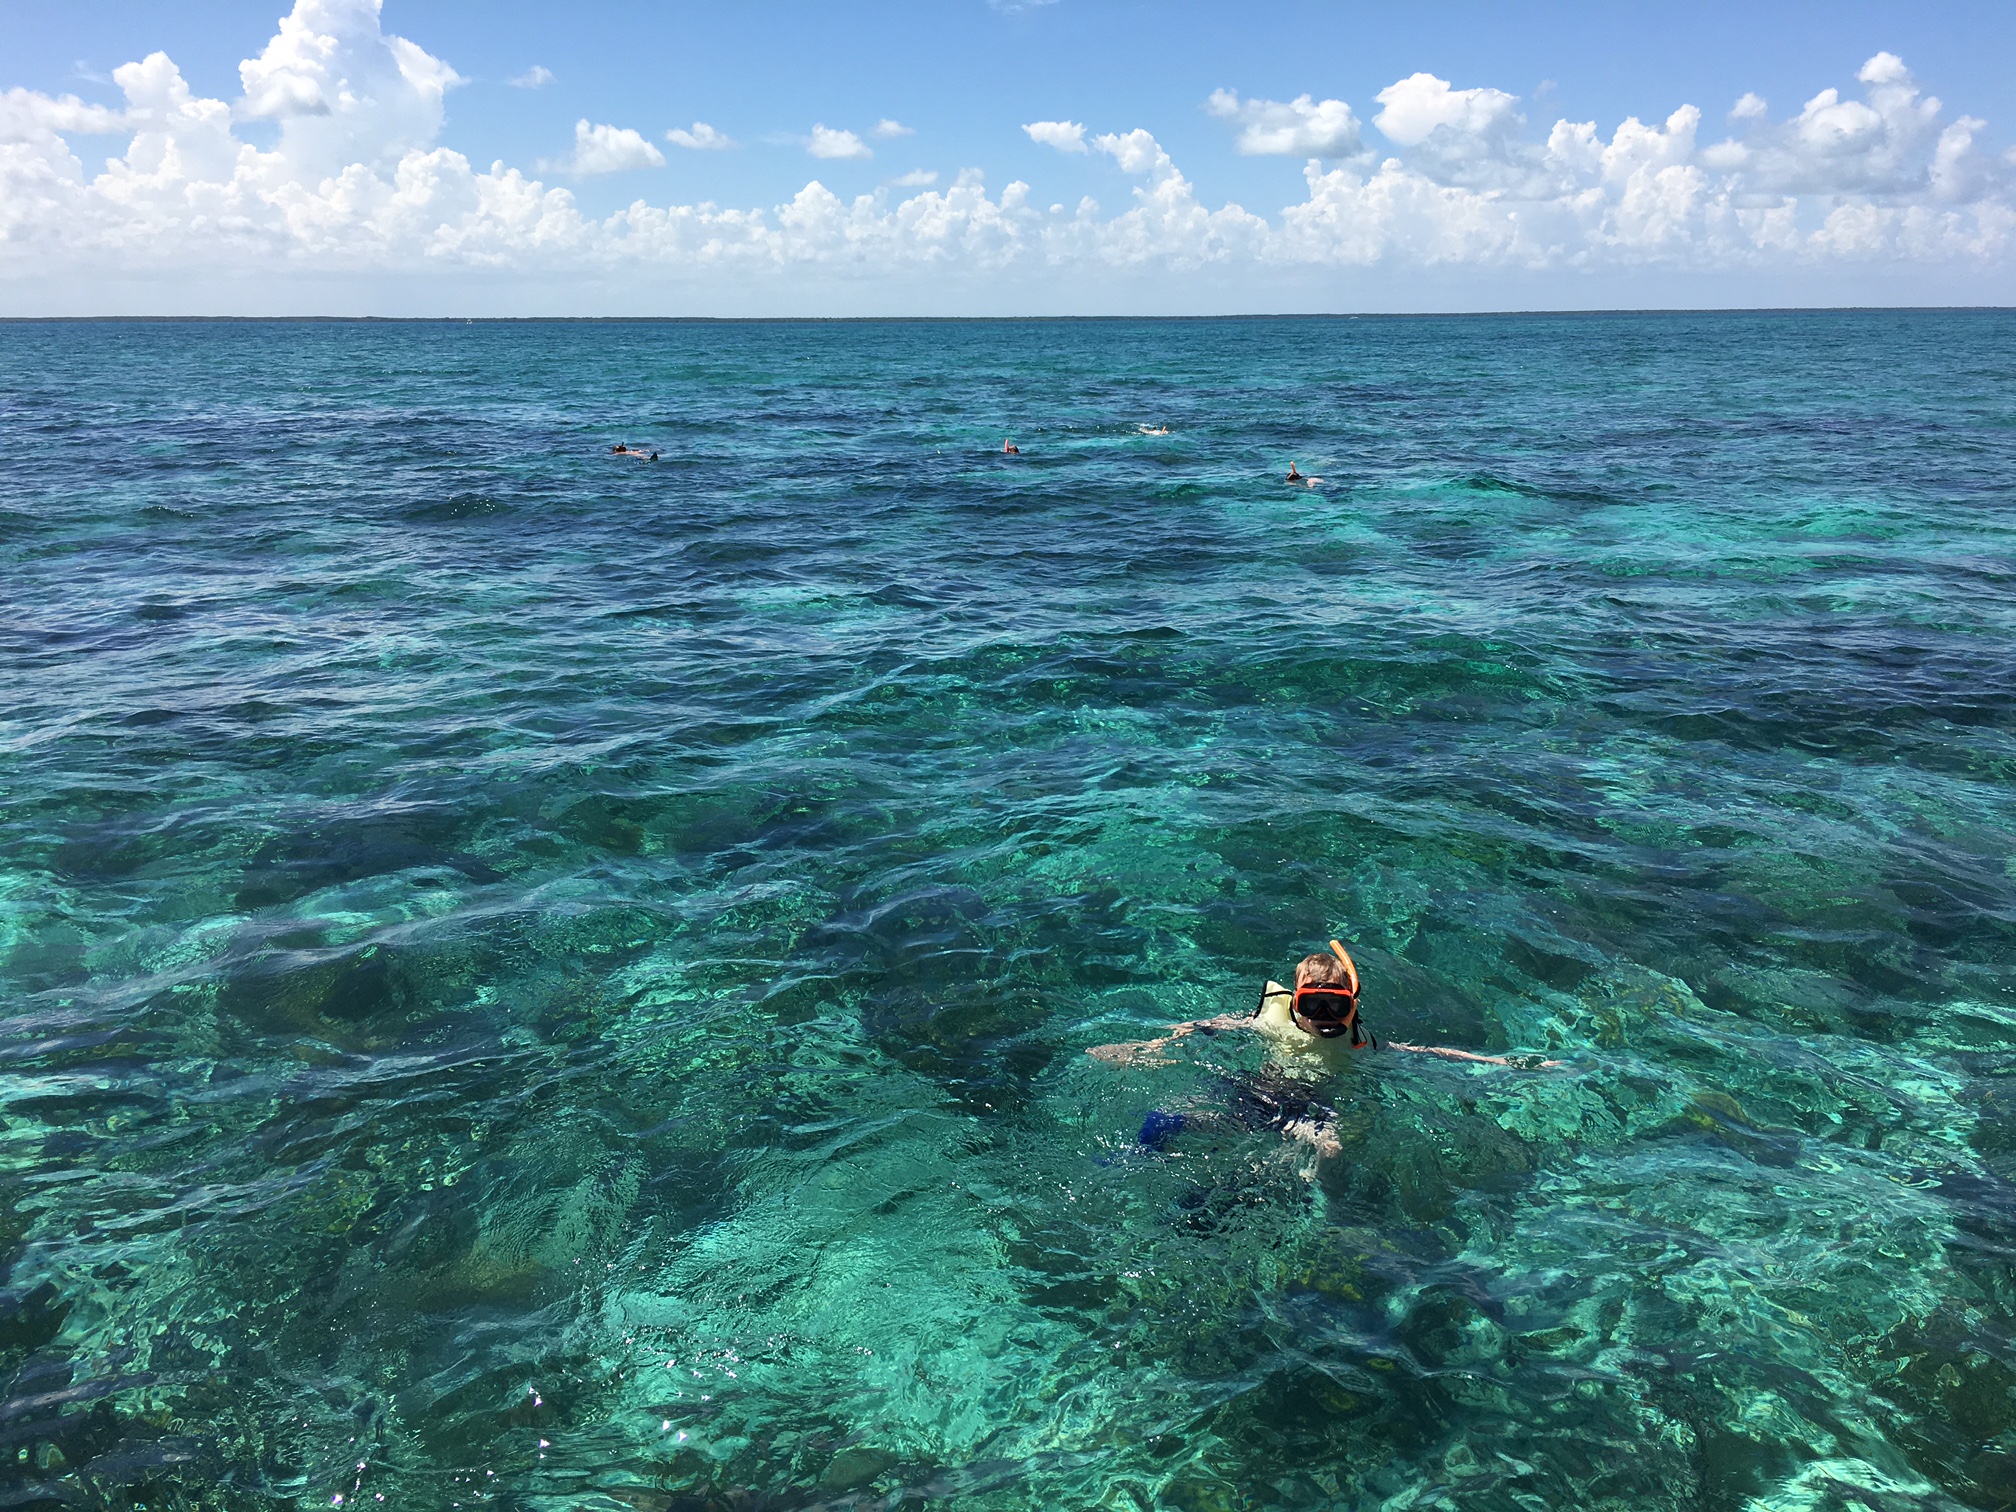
(1320, 1137)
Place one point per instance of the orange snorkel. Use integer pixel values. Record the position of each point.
(1349, 965)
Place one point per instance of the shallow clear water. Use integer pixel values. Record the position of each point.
(543, 982)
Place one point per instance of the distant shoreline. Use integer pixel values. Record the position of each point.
(991, 319)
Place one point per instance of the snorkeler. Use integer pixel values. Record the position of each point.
(1153, 430)
(1010, 449)
(1318, 1017)
(1312, 1027)
(1295, 476)
(636, 454)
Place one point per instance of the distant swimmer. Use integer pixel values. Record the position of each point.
(1294, 476)
(1010, 449)
(635, 453)
(1153, 430)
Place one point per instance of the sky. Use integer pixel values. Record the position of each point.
(1000, 157)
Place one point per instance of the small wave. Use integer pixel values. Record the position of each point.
(462, 506)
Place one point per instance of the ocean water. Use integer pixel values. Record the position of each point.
(536, 981)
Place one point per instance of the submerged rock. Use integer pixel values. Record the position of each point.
(854, 1468)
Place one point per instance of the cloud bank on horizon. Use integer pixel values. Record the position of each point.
(354, 179)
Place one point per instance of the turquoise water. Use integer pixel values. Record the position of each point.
(537, 981)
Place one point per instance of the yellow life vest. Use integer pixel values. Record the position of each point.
(1295, 1045)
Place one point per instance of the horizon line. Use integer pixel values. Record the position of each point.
(995, 319)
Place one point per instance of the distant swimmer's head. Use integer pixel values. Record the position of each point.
(620, 446)
(1011, 449)
(1294, 476)
(1326, 997)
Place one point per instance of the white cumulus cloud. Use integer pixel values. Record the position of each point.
(1166, 224)
(1889, 142)
(538, 76)
(25, 114)
(609, 149)
(826, 142)
(342, 89)
(887, 130)
(1301, 127)
(701, 138)
(916, 178)
(1136, 152)
(1065, 136)
(1420, 105)
(1471, 138)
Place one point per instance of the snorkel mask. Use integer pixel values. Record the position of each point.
(1329, 1010)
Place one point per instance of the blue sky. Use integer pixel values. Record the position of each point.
(1458, 191)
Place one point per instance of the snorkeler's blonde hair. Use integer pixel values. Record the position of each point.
(1312, 969)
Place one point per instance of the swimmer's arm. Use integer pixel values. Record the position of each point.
(1518, 1062)
(1147, 1052)
(1212, 1025)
